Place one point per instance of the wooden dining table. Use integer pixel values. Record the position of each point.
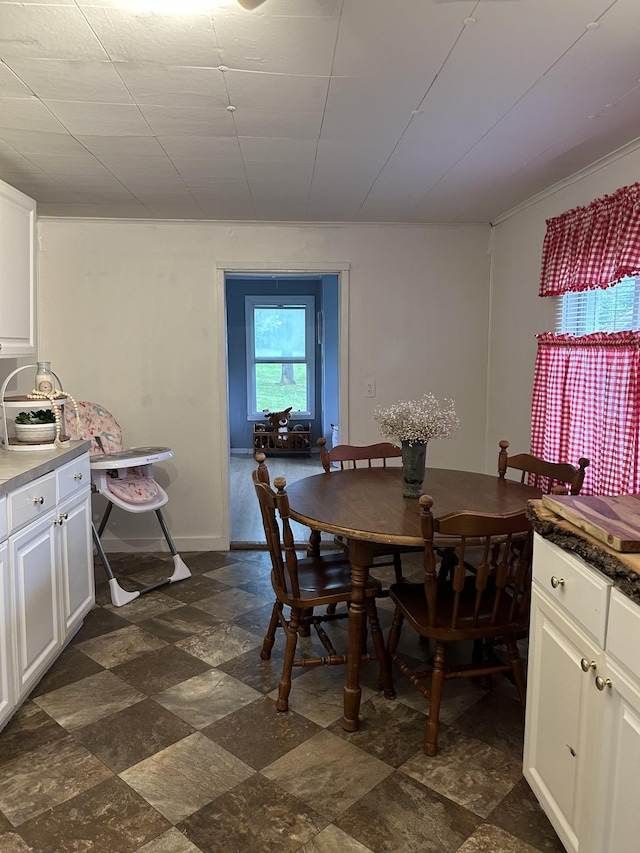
(366, 506)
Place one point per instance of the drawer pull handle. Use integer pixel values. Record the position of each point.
(587, 664)
(601, 682)
(77, 476)
(556, 582)
(38, 501)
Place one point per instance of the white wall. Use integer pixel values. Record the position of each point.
(517, 312)
(132, 316)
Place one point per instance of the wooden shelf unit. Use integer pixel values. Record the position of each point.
(293, 441)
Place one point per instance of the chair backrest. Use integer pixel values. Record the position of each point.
(94, 424)
(274, 504)
(351, 456)
(491, 586)
(558, 478)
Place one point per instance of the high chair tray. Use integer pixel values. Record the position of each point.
(131, 457)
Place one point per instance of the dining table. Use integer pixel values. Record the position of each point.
(366, 506)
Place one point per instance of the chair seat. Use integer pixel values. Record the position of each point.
(323, 580)
(134, 490)
(411, 600)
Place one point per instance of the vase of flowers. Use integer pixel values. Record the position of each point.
(413, 423)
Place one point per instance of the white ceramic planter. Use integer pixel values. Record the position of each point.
(35, 433)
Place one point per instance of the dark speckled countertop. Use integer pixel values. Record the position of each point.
(622, 568)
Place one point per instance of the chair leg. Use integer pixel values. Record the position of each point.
(437, 682)
(397, 567)
(291, 632)
(386, 679)
(394, 634)
(270, 636)
(517, 668)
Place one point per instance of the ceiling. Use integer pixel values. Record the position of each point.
(311, 110)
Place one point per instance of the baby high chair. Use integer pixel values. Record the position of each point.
(125, 479)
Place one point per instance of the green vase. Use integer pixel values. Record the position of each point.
(413, 463)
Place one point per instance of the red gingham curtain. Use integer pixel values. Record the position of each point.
(594, 246)
(586, 402)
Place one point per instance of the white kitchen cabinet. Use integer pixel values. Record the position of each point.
(617, 824)
(48, 582)
(76, 561)
(17, 273)
(562, 714)
(7, 690)
(582, 731)
(36, 600)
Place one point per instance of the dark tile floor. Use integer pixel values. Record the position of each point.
(156, 731)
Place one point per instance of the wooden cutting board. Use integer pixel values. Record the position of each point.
(612, 520)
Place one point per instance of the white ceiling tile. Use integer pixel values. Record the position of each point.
(291, 174)
(257, 90)
(201, 147)
(278, 149)
(82, 118)
(132, 36)
(377, 37)
(58, 164)
(194, 171)
(28, 114)
(29, 142)
(122, 146)
(12, 86)
(47, 32)
(278, 124)
(189, 121)
(344, 109)
(88, 210)
(283, 45)
(173, 86)
(72, 80)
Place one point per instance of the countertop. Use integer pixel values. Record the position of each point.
(622, 568)
(19, 468)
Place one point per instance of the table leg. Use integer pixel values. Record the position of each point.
(360, 556)
(313, 548)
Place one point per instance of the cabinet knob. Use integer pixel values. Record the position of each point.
(556, 582)
(77, 476)
(601, 682)
(38, 501)
(587, 664)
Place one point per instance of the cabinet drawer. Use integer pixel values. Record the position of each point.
(623, 631)
(73, 476)
(32, 501)
(580, 590)
(4, 523)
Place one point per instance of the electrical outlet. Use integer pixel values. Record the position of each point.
(370, 388)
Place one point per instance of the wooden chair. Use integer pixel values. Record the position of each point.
(353, 456)
(558, 478)
(301, 585)
(489, 603)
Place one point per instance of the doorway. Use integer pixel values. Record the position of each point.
(282, 332)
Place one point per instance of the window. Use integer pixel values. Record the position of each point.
(280, 355)
(615, 309)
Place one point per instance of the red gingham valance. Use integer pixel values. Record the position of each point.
(594, 246)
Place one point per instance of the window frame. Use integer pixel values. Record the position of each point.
(576, 310)
(307, 302)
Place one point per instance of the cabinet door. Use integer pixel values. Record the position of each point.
(617, 822)
(36, 600)
(17, 273)
(7, 688)
(76, 560)
(561, 719)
